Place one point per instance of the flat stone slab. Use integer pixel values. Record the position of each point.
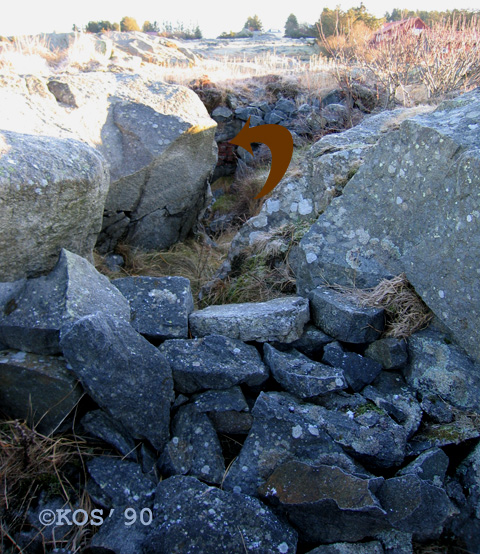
(160, 306)
(281, 319)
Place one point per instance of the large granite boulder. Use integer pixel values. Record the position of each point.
(412, 207)
(52, 193)
(157, 139)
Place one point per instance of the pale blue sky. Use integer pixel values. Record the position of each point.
(213, 17)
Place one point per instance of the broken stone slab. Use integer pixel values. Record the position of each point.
(390, 393)
(372, 547)
(311, 342)
(326, 504)
(38, 389)
(98, 424)
(194, 448)
(33, 311)
(431, 466)
(391, 353)
(283, 429)
(396, 542)
(437, 409)
(231, 423)
(416, 506)
(119, 483)
(281, 319)
(213, 362)
(342, 317)
(114, 536)
(125, 375)
(301, 376)
(160, 306)
(358, 370)
(441, 368)
(190, 516)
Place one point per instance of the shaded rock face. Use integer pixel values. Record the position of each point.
(52, 193)
(143, 130)
(412, 207)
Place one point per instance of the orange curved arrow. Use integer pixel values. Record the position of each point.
(280, 142)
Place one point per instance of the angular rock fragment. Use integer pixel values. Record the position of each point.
(301, 376)
(194, 448)
(312, 341)
(326, 504)
(437, 409)
(373, 547)
(431, 466)
(358, 370)
(39, 389)
(32, 312)
(390, 353)
(213, 362)
(98, 424)
(463, 428)
(123, 373)
(160, 306)
(415, 506)
(281, 319)
(396, 542)
(343, 318)
(192, 517)
(114, 536)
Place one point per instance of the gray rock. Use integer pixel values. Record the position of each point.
(192, 517)
(194, 449)
(336, 115)
(358, 370)
(33, 311)
(468, 473)
(312, 341)
(396, 542)
(415, 506)
(443, 369)
(288, 107)
(326, 504)
(275, 117)
(114, 262)
(108, 354)
(213, 362)
(160, 306)
(431, 466)
(222, 114)
(114, 536)
(389, 352)
(98, 424)
(390, 393)
(343, 318)
(463, 428)
(121, 483)
(39, 389)
(301, 376)
(373, 547)
(52, 193)
(437, 409)
(281, 319)
(63, 93)
(410, 208)
(231, 422)
(221, 401)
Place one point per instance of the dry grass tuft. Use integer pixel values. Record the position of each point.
(405, 311)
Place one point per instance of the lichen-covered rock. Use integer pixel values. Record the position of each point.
(373, 547)
(160, 306)
(52, 194)
(33, 311)
(301, 376)
(281, 319)
(391, 353)
(100, 425)
(411, 208)
(431, 466)
(326, 504)
(213, 362)
(39, 389)
(191, 517)
(125, 375)
(311, 342)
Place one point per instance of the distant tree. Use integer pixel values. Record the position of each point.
(330, 21)
(129, 24)
(291, 26)
(150, 27)
(253, 24)
(197, 32)
(76, 28)
(101, 26)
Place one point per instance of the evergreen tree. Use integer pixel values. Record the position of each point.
(129, 24)
(291, 26)
(253, 24)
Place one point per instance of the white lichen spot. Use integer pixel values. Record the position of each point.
(175, 440)
(297, 432)
(272, 206)
(391, 169)
(441, 294)
(313, 430)
(350, 414)
(283, 548)
(236, 350)
(206, 469)
(244, 469)
(469, 218)
(237, 489)
(311, 257)
(399, 200)
(198, 430)
(305, 207)
(294, 207)
(339, 382)
(259, 221)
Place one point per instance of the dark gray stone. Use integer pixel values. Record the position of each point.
(114, 537)
(301, 376)
(213, 362)
(98, 424)
(468, 473)
(341, 316)
(231, 423)
(430, 435)
(39, 389)
(120, 483)
(410, 208)
(373, 547)
(336, 115)
(288, 107)
(194, 449)
(281, 319)
(416, 506)
(437, 409)
(389, 352)
(275, 117)
(222, 114)
(221, 401)
(396, 542)
(160, 306)
(358, 370)
(326, 504)
(441, 368)
(191, 517)
(311, 342)
(108, 355)
(114, 262)
(431, 466)
(63, 93)
(32, 312)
